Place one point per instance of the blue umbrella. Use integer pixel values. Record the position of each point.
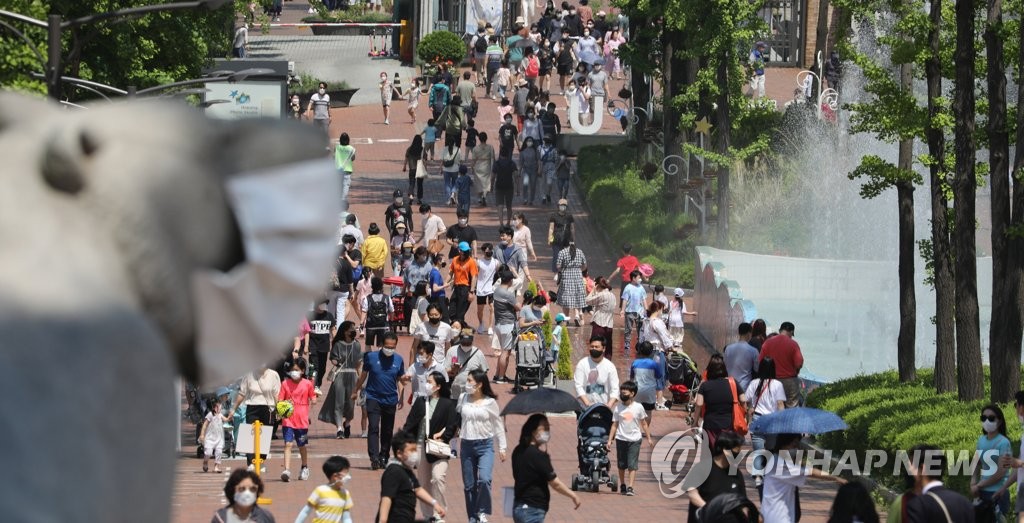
(798, 420)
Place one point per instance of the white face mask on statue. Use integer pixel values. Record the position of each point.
(244, 316)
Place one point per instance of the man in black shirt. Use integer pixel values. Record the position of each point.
(504, 184)
(348, 260)
(560, 230)
(399, 208)
(508, 134)
(461, 232)
(320, 336)
(399, 487)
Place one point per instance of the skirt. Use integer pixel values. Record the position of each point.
(338, 405)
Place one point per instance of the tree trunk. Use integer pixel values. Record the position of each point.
(945, 350)
(723, 130)
(970, 379)
(1004, 355)
(906, 343)
(639, 86)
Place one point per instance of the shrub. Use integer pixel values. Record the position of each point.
(563, 367)
(547, 329)
(887, 415)
(441, 47)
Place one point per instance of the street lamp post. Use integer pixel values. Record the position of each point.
(55, 26)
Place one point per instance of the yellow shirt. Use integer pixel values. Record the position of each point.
(330, 505)
(375, 252)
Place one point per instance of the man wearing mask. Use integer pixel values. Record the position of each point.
(461, 360)
(488, 270)
(382, 374)
(464, 272)
(560, 230)
(598, 80)
(399, 488)
(601, 25)
(508, 135)
(323, 329)
(596, 379)
(320, 107)
(433, 227)
(375, 251)
(461, 232)
(504, 184)
(399, 208)
(573, 23)
(550, 125)
(586, 13)
(550, 159)
(506, 312)
(521, 102)
(512, 257)
(633, 308)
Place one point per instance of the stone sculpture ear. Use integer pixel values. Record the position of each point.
(64, 158)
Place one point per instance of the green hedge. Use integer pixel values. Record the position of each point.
(633, 210)
(887, 415)
(441, 47)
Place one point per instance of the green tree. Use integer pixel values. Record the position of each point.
(145, 51)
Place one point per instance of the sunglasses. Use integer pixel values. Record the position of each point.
(988, 418)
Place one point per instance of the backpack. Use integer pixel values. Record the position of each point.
(481, 44)
(453, 124)
(377, 311)
(439, 101)
(532, 67)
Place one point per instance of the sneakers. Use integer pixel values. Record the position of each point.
(386, 122)
(317, 391)
(758, 481)
(490, 331)
(216, 469)
(340, 434)
(206, 467)
(629, 491)
(615, 488)
(363, 435)
(660, 406)
(482, 518)
(496, 379)
(374, 464)
(348, 431)
(286, 476)
(622, 489)
(304, 473)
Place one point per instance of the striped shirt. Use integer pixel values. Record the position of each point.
(330, 504)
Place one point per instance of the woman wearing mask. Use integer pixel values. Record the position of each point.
(483, 161)
(522, 236)
(572, 290)
(722, 479)
(656, 332)
(987, 480)
(587, 48)
(413, 154)
(533, 473)
(529, 166)
(766, 396)
(714, 401)
(399, 235)
(604, 305)
(450, 169)
(611, 53)
(437, 284)
(258, 390)
(242, 490)
(347, 359)
(481, 427)
(433, 417)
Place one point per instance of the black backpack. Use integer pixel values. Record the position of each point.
(377, 311)
(439, 98)
(481, 44)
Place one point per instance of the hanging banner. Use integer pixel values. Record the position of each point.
(486, 10)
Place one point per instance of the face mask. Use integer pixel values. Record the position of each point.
(295, 374)
(544, 437)
(388, 352)
(322, 92)
(463, 221)
(586, 33)
(596, 354)
(434, 321)
(407, 252)
(989, 426)
(412, 459)
(472, 388)
(344, 480)
(295, 101)
(398, 201)
(421, 359)
(503, 243)
(508, 121)
(245, 498)
(562, 208)
(383, 78)
(625, 397)
(285, 252)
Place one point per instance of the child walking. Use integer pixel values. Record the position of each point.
(464, 190)
(556, 335)
(429, 139)
(630, 419)
(299, 391)
(330, 502)
(211, 436)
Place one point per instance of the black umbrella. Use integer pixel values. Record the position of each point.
(542, 399)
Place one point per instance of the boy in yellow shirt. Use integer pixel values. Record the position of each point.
(330, 503)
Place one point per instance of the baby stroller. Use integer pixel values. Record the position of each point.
(397, 320)
(533, 361)
(683, 378)
(592, 429)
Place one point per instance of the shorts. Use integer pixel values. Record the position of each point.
(647, 406)
(564, 70)
(627, 454)
(515, 66)
(504, 336)
(485, 300)
(297, 436)
(375, 336)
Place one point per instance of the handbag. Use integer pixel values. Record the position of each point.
(421, 169)
(435, 246)
(433, 447)
(739, 412)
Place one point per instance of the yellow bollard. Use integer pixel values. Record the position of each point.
(257, 461)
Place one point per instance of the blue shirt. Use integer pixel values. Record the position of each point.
(646, 372)
(430, 134)
(741, 362)
(382, 377)
(634, 298)
(463, 183)
(990, 450)
(436, 279)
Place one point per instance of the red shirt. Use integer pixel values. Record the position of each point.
(786, 353)
(627, 264)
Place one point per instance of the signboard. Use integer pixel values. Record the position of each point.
(247, 439)
(486, 10)
(245, 100)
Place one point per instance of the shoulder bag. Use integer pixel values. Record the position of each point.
(739, 412)
(434, 447)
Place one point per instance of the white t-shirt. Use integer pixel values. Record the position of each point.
(214, 431)
(771, 395)
(432, 227)
(439, 335)
(628, 419)
(419, 372)
(599, 381)
(485, 277)
(469, 361)
(675, 314)
(778, 504)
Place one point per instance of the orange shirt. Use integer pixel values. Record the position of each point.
(464, 271)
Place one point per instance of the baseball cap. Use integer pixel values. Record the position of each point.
(466, 336)
(407, 245)
(678, 292)
(563, 201)
(559, 318)
(400, 225)
(464, 246)
(397, 193)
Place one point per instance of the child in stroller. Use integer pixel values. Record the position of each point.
(534, 362)
(592, 428)
(683, 380)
